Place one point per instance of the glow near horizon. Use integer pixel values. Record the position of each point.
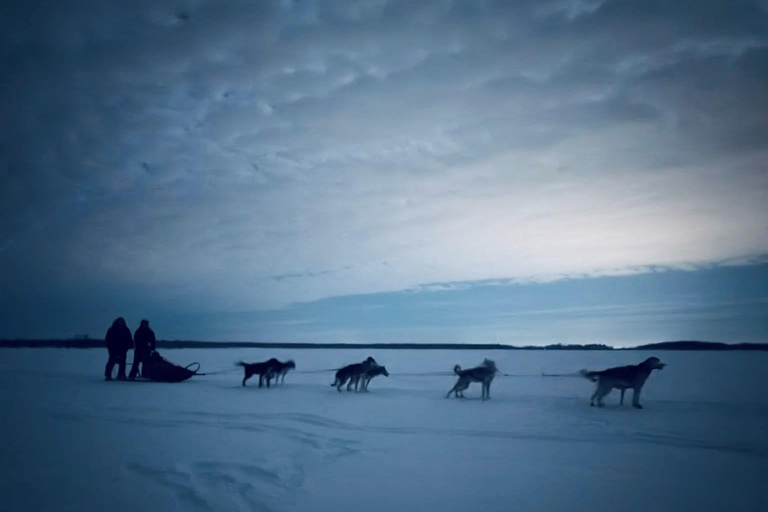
(312, 151)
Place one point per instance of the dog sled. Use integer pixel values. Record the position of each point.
(159, 369)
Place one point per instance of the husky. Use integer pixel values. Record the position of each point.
(280, 369)
(352, 373)
(365, 379)
(483, 374)
(264, 370)
(623, 378)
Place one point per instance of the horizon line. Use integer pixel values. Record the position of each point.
(85, 343)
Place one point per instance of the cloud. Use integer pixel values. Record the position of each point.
(206, 156)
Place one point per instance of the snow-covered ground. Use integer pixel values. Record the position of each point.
(71, 442)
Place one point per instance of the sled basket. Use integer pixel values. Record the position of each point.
(159, 369)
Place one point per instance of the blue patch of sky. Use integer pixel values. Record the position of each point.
(718, 304)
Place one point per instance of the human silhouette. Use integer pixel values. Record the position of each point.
(144, 344)
(119, 342)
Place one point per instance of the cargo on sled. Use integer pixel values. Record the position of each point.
(159, 369)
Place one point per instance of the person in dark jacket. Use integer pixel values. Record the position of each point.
(145, 344)
(119, 342)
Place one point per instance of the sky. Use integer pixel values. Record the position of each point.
(524, 172)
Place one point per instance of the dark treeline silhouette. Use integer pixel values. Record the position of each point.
(168, 344)
(701, 345)
(591, 346)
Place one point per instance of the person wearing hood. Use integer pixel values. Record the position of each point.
(119, 342)
(145, 344)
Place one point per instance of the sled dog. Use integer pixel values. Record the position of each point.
(352, 373)
(483, 374)
(623, 378)
(280, 369)
(263, 370)
(365, 379)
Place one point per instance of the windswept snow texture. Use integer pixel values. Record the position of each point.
(71, 442)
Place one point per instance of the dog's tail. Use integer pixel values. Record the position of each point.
(457, 370)
(241, 363)
(589, 375)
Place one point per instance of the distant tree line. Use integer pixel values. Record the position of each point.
(84, 342)
(591, 346)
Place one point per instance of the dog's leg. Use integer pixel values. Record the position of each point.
(621, 402)
(261, 379)
(342, 381)
(636, 397)
(602, 391)
(245, 378)
(455, 390)
(594, 395)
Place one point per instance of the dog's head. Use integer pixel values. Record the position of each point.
(490, 364)
(371, 360)
(384, 371)
(290, 364)
(654, 363)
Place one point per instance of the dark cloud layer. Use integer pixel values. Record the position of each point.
(196, 156)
